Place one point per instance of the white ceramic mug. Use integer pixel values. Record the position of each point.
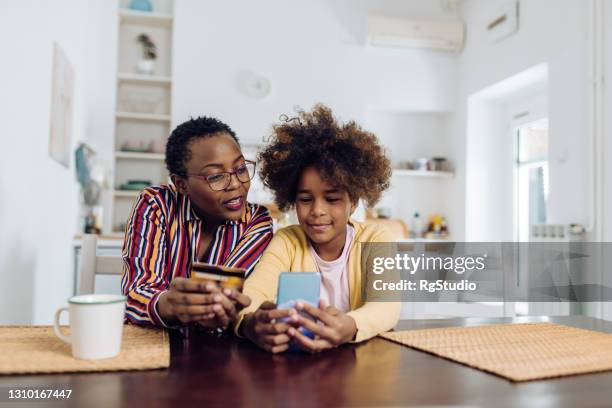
(96, 325)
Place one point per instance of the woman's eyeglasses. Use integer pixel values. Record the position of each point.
(220, 181)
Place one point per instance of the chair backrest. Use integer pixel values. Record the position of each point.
(91, 264)
(395, 225)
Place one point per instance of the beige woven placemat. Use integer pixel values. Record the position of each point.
(518, 352)
(36, 349)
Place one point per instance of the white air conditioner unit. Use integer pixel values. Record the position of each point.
(399, 32)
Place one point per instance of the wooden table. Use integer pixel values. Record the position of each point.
(220, 370)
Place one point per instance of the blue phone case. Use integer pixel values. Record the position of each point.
(294, 286)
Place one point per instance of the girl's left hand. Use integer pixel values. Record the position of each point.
(332, 329)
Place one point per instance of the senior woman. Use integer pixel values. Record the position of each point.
(203, 215)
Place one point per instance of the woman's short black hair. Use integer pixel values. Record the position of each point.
(177, 147)
(344, 154)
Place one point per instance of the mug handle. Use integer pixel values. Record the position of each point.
(56, 325)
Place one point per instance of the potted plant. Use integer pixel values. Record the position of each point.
(146, 65)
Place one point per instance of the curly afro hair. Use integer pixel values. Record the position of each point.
(177, 147)
(345, 154)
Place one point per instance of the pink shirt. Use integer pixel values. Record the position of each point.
(334, 276)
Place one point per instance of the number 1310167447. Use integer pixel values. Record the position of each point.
(19, 393)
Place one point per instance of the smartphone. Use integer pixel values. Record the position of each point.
(294, 286)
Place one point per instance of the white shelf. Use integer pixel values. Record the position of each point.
(143, 116)
(423, 173)
(144, 79)
(145, 18)
(139, 156)
(127, 193)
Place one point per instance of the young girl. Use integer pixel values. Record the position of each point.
(323, 168)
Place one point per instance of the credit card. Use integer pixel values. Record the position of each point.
(224, 276)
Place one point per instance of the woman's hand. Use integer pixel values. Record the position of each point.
(239, 299)
(190, 301)
(332, 329)
(265, 330)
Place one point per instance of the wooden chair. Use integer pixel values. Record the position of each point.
(91, 264)
(395, 225)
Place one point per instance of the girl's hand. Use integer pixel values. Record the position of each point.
(332, 329)
(263, 328)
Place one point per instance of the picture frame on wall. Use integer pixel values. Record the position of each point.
(62, 99)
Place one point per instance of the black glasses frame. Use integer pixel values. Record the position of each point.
(228, 175)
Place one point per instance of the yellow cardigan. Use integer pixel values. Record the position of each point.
(288, 252)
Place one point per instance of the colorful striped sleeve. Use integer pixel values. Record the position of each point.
(253, 241)
(144, 274)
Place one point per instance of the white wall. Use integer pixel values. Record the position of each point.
(39, 199)
(488, 195)
(552, 32)
(311, 51)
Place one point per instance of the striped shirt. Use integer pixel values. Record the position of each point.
(161, 241)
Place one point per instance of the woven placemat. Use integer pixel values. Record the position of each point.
(517, 352)
(36, 349)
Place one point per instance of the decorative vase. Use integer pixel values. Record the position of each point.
(146, 67)
(141, 5)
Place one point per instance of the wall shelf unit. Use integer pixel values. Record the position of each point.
(143, 116)
(144, 100)
(130, 78)
(139, 156)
